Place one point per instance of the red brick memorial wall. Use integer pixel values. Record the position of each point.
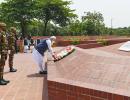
(61, 91)
(95, 74)
(86, 41)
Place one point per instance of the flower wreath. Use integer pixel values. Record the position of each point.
(65, 52)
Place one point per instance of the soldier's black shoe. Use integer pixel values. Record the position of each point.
(2, 82)
(13, 70)
(43, 72)
(7, 81)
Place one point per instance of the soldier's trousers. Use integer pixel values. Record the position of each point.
(2, 64)
(11, 57)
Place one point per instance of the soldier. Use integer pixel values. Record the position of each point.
(11, 47)
(3, 52)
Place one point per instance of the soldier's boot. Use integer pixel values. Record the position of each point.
(2, 82)
(7, 81)
(12, 69)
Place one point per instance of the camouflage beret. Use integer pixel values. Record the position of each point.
(2, 24)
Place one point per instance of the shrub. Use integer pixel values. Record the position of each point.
(75, 41)
(102, 41)
(80, 38)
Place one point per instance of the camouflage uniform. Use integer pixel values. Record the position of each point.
(3, 53)
(11, 45)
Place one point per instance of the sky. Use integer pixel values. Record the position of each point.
(116, 12)
(1, 0)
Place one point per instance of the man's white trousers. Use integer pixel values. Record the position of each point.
(39, 59)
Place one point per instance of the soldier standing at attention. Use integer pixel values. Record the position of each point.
(3, 52)
(11, 48)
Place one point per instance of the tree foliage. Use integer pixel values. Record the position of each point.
(93, 23)
(17, 11)
(24, 11)
(56, 11)
(53, 17)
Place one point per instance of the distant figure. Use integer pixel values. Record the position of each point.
(26, 45)
(29, 41)
(38, 41)
(40, 49)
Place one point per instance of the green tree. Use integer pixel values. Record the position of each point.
(17, 12)
(93, 23)
(76, 27)
(56, 11)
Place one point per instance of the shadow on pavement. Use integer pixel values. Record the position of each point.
(7, 72)
(35, 75)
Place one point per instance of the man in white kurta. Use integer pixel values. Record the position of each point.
(40, 49)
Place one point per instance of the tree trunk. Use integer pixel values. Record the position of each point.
(23, 28)
(45, 28)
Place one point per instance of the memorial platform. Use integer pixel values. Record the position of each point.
(91, 74)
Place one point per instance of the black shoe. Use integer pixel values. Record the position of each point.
(13, 70)
(2, 82)
(7, 81)
(43, 72)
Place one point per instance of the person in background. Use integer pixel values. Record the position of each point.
(40, 49)
(25, 45)
(11, 47)
(29, 41)
(3, 52)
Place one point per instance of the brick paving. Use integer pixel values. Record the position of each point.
(26, 83)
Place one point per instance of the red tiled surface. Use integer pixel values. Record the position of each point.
(25, 84)
(99, 74)
(89, 45)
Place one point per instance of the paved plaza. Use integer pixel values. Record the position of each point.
(26, 83)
